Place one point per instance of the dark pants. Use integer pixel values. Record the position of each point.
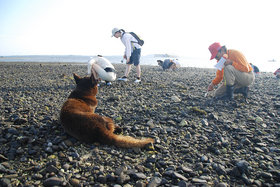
(135, 57)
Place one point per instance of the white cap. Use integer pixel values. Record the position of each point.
(114, 31)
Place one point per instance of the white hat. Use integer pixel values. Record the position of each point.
(114, 31)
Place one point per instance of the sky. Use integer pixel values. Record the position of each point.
(178, 27)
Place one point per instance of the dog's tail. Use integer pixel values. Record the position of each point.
(129, 142)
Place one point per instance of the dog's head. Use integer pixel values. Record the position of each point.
(86, 83)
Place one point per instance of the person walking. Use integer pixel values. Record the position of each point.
(132, 53)
(237, 74)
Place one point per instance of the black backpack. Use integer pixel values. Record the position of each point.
(139, 40)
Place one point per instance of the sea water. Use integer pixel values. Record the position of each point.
(263, 65)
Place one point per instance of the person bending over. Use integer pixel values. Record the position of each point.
(102, 68)
(172, 64)
(132, 52)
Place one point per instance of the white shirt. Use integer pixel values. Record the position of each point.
(128, 41)
(177, 63)
(101, 61)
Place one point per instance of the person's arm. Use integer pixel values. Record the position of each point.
(127, 44)
(216, 80)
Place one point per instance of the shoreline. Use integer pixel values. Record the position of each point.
(199, 141)
(115, 64)
(263, 65)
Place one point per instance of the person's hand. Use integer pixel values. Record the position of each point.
(210, 87)
(228, 62)
(127, 60)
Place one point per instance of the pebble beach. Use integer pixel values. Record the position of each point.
(198, 141)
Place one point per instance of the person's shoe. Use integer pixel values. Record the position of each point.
(137, 81)
(108, 83)
(122, 79)
(228, 95)
(229, 91)
(243, 90)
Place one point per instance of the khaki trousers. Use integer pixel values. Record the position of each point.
(233, 77)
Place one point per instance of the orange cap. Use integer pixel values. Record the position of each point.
(214, 49)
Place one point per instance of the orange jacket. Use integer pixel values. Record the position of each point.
(239, 63)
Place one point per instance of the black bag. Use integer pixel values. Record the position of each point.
(139, 40)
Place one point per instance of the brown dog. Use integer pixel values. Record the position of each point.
(79, 120)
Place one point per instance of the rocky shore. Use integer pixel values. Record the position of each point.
(199, 141)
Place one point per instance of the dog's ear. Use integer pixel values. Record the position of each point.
(77, 78)
(94, 81)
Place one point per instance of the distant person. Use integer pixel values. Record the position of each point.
(102, 68)
(132, 52)
(169, 64)
(237, 74)
(277, 73)
(255, 69)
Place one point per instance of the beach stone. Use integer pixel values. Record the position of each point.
(258, 119)
(243, 166)
(68, 143)
(140, 184)
(175, 98)
(2, 169)
(5, 182)
(179, 176)
(150, 123)
(110, 178)
(120, 170)
(53, 181)
(102, 179)
(123, 178)
(183, 123)
(213, 116)
(37, 176)
(127, 185)
(20, 121)
(258, 149)
(52, 168)
(246, 179)
(221, 185)
(204, 122)
(138, 176)
(204, 158)
(258, 183)
(114, 98)
(155, 181)
(274, 149)
(196, 180)
(220, 169)
(183, 184)
(185, 169)
(266, 175)
(245, 141)
(66, 166)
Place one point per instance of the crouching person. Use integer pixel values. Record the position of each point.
(237, 74)
(167, 64)
(102, 68)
